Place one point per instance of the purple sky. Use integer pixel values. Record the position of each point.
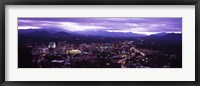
(135, 25)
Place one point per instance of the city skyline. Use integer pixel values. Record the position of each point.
(145, 26)
(99, 42)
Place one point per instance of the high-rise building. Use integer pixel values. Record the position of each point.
(52, 45)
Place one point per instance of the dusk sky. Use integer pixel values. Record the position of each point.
(135, 25)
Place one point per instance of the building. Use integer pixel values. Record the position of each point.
(74, 52)
(52, 45)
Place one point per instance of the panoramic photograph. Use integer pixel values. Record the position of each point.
(100, 42)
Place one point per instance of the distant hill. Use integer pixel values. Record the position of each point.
(111, 34)
(45, 32)
(33, 33)
(62, 34)
(166, 36)
(41, 33)
(102, 36)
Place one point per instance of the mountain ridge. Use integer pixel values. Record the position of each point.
(42, 32)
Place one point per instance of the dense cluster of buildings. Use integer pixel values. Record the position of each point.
(121, 54)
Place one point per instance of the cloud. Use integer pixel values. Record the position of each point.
(135, 25)
(78, 27)
(28, 27)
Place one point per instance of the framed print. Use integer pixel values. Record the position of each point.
(146, 42)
